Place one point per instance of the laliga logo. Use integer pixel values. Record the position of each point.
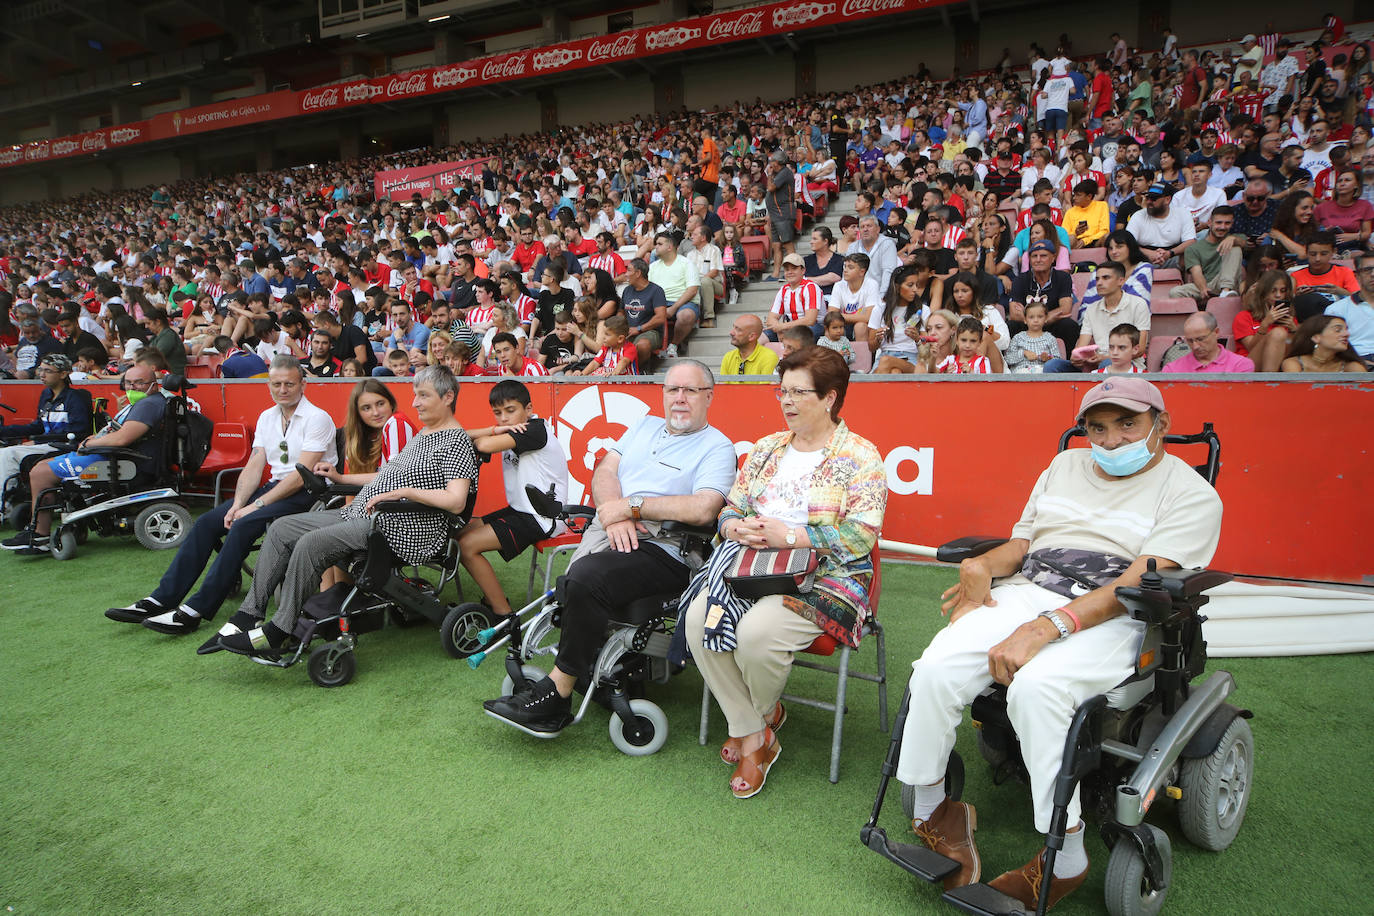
(740, 27)
(95, 141)
(589, 424)
(558, 57)
(414, 85)
(859, 7)
(11, 156)
(453, 76)
(623, 46)
(125, 134)
(63, 147)
(176, 122)
(505, 68)
(801, 14)
(317, 101)
(670, 37)
(360, 92)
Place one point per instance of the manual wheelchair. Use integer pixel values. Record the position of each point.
(635, 651)
(384, 590)
(1156, 734)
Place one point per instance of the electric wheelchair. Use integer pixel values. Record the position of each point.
(384, 591)
(133, 493)
(15, 492)
(1156, 734)
(635, 651)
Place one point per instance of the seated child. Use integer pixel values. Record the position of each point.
(795, 338)
(397, 364)
(834, 338)
(1033, 347)
(559, 349)
(966, 358)
(530, 455)
(1122, 343)
(618, 355)
(90, 365)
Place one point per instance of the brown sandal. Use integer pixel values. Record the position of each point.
(729, 751)
(753, 767)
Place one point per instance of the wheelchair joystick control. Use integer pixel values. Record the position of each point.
(1152, 578)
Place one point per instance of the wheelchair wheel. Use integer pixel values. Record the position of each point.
(531, 673)
(645, 735)
(62, 544)
(1127, 892)
(17, 516)
(458, 634)
(1216, 789)
(162, 526)
(331, 665)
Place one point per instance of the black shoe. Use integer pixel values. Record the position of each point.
(26, 542)
(173, 623)
(232, 627)
(538, 709)
(137, 612)
(263, 641)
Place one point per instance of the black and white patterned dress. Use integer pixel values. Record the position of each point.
(428, 462)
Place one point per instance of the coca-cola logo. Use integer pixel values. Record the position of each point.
(125, 134)
(415, 84)
(91, 142)
(800, 14)
(861, 7)
(623, 46)
(738, 27)
(11, 156)
(505, 67)
(64, 147)
(360, 92)
(558, 57)
(318, 101)
(670, 37)
(453, 76)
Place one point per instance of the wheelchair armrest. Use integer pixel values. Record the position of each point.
(966, 548)
(702, 531)
(1189, 583)
(343, 489)
(110, 451)
(407, 507)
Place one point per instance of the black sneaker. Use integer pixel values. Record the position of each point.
(137, 612)
(26, 541)
(538, 709)
(173, 623)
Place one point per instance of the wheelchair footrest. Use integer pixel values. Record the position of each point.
(924, 863)
(984, 899)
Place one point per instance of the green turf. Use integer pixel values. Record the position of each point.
(141, 778)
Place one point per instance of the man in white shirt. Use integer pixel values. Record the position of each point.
(1163, 231)
(1251, 58)
(710, 267)
(1317, 157)
(1199, 199)
(292, 431)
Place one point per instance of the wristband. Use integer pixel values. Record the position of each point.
(1070, 614)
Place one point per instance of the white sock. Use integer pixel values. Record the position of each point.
(928, 798)
(1072, 860)
(189, 611)
(151, 600)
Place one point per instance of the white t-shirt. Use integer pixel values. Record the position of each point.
(538, 461)
(1175, 227)
(1318, 161)
(310, 430)
(1199, 208)
(787, 496)
(1168, 511)
(851, 302)
(1058, 89)
(267, 350)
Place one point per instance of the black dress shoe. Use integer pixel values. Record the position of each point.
(537, 709)
(137, 612)
(173, 623)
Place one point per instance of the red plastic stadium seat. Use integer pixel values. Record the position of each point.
(563, 543)
(1159, 343)
(1087, 255)
(755, 251)
(863, 359)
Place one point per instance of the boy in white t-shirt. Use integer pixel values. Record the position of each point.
(530, 456)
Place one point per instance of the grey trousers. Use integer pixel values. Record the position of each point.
(297, 551)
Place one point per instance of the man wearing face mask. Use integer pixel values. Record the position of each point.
(1050, 627)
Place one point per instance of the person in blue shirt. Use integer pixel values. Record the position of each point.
(676, 467)
(253, 282)
(239, 362)
(975, 117)
(1357, 311)
(408, 334)
(62, 410)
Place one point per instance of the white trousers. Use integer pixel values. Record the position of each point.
(1042, 697)
(11, 457)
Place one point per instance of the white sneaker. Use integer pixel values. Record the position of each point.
(1228, 293)
(670, 351)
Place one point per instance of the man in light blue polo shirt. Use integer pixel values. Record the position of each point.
(1357, 310)
(675, 468)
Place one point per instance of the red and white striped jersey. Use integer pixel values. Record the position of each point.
(953, 365)
(1269, 43)
(214, 290)
(1324, 185)
(531, 367)
(1250, 103)
(524, 308)
(395, 434)
(610, 262)
(1024, 218)
(953, 233)
(1071, 180)
(792, 302)
(479, 315)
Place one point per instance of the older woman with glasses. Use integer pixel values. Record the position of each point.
(815, 486)
(437, 467)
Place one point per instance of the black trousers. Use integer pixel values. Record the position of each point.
(598, 584)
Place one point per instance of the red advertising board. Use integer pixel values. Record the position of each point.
(682, 35)
(402, 184)
(963, 454)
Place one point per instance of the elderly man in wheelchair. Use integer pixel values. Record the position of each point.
(1042, 614)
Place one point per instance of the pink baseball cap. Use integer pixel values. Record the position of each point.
(1128, 391)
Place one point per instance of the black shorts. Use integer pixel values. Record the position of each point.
(515, 530)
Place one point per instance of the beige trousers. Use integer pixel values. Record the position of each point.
(748, 681)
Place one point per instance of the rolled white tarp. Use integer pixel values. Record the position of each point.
(1246, 619)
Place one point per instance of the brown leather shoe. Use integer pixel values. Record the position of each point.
(949, 831)
(1024, 883)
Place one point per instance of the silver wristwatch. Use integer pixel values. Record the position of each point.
(1059, 624)
(259, 503)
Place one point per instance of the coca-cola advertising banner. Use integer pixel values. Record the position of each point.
(683, 35)
(403, 184)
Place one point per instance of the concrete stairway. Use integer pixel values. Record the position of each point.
(710, 344)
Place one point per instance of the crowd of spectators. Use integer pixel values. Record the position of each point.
(598, 249)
